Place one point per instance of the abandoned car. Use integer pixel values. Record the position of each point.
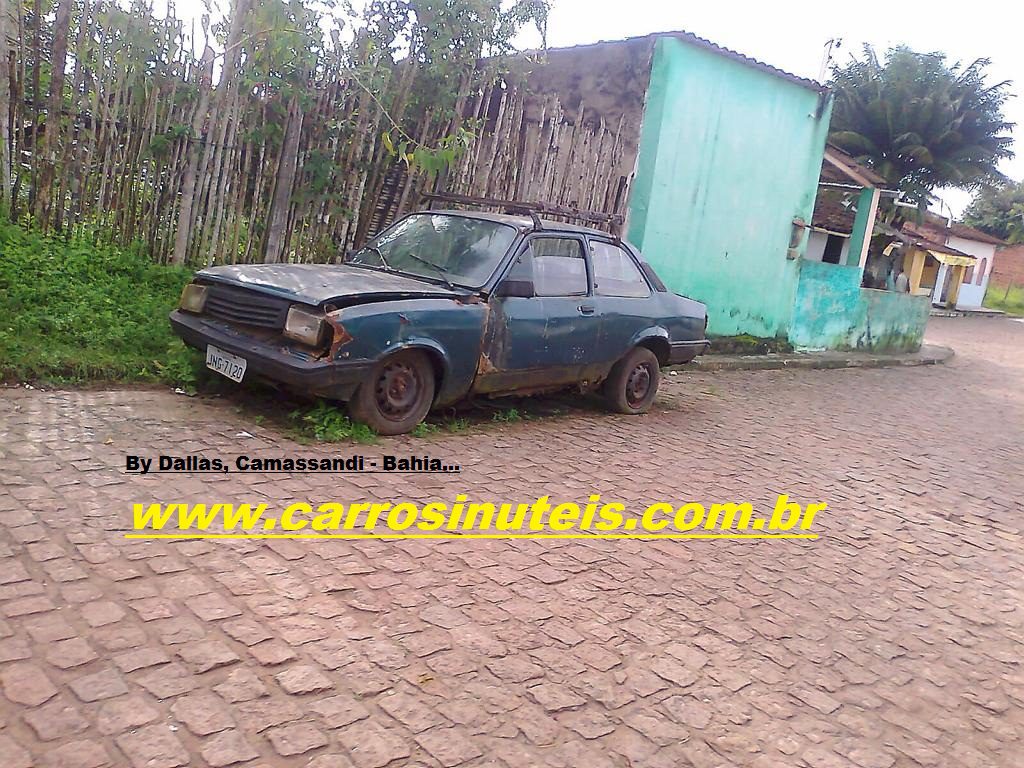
(444, 305)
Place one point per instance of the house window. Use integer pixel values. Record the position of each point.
(981, 271)
(969, 277)
(833, 249)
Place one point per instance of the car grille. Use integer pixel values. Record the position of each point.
(240, 305)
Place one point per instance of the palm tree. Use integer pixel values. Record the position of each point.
(919, 122)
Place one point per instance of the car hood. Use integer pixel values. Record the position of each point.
(319, 283)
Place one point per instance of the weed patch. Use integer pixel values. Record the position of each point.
(508, 416)
(329, 424)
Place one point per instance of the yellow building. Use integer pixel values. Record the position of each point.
(921, 260)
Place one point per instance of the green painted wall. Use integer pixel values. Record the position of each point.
(729, 155)
(832, 311)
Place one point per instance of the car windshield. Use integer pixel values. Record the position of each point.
(454, 249)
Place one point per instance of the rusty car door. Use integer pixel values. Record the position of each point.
(542, 326)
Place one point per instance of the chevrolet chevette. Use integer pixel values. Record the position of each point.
(445, 305)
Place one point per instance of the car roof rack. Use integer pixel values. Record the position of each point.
(533, 210)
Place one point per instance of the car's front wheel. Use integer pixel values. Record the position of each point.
(633, 382)
(397, 394)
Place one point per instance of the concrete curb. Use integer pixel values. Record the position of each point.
(928, 355)
(967, 313)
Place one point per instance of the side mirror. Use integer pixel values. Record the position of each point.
(522, 289)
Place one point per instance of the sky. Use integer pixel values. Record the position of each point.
(791, 35)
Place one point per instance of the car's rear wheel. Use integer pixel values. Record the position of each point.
(633, 382)
(397, 394)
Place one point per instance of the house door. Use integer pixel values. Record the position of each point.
(945, 276)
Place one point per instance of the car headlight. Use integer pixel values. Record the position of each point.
(304, 326)
(193, 298)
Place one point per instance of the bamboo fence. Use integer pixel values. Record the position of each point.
(114, 128)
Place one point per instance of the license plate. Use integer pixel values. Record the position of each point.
(225, 363)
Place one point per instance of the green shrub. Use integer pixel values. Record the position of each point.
(75, 311)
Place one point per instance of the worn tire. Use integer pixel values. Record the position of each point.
(633, 382)
(396, 395)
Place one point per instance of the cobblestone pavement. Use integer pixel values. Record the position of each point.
(895, 639)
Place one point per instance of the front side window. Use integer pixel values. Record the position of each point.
(459, 249)
(559, 267)
(615, 272)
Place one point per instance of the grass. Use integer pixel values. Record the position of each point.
(1009, 300)
(76, 311)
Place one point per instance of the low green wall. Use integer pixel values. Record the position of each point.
(832, 311)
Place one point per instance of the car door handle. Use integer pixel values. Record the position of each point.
(586, 309)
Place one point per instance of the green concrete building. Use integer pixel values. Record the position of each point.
(729, 165)
(713, 160)
(730, 154)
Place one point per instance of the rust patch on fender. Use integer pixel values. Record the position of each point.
(340, 336)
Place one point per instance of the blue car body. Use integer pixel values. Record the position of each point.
(481, 339)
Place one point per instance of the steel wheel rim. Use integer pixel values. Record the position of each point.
(398, 391)
(638, 385)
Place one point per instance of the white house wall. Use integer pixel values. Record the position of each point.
(971, 295)
(816, 247)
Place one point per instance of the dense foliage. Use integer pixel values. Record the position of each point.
(921, 122)
(285, 131)
(999, 210)
(72, 310)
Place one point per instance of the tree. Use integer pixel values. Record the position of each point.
(999, 210)
(921, 122)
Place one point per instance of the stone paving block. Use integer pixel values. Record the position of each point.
(374, 746)
(26, 683)
(154, 746)
(303, 679)
(56, 719)
(296, 738)
(97, 686)
(123, 714)
(227, 748)
(202, 713)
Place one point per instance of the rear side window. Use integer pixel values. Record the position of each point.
(615, 272)
(559, 268)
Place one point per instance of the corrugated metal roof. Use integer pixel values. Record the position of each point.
(814, 85)
(714, 47)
